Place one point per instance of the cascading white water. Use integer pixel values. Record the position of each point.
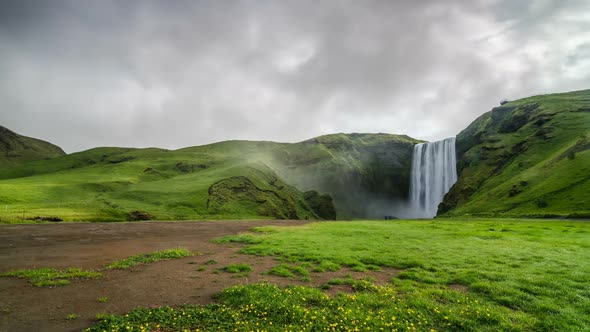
(434, 171)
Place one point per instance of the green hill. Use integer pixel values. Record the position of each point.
(366, 174)
(16, 149)
(127, 184)
(226, 180)
(529, 157)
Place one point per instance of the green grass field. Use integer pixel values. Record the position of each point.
(455, 275)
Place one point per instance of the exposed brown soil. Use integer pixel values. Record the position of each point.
(24, 307)
(459, 288)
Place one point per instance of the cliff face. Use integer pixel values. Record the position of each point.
(366, 174)
(529, 157)
(16, 149)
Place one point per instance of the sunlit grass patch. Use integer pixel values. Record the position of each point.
(71, 317)
(150, 258)
(237, 268)
(52, 277)
(289, 271)
(326, 266)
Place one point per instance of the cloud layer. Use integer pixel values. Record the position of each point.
(179, 73)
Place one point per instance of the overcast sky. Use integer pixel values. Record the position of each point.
(172, 74)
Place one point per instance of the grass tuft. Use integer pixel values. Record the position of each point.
(326, 266)
(237, 268)
(71, 317)
(47, 277)
(241, 238)
(359, 285)
(289, 271)
(150, 258)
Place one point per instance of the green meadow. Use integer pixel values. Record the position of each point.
(454, 275)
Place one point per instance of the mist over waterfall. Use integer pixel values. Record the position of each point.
(434, 171)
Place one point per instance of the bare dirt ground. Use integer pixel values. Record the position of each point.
(24, 307)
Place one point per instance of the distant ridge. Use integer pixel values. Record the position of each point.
(16, 149)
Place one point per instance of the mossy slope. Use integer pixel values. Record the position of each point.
(530, 157)
(16, 149)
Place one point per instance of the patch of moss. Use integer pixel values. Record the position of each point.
(322, 205)
(240, 193)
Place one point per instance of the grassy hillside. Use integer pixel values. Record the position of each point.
(226, 180)
(16, 149)
(127, 184)
(530, 157)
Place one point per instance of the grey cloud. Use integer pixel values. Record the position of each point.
(181, 73)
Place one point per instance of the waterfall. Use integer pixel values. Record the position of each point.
(434, 171)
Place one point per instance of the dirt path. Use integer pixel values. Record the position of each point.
(92, 245)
